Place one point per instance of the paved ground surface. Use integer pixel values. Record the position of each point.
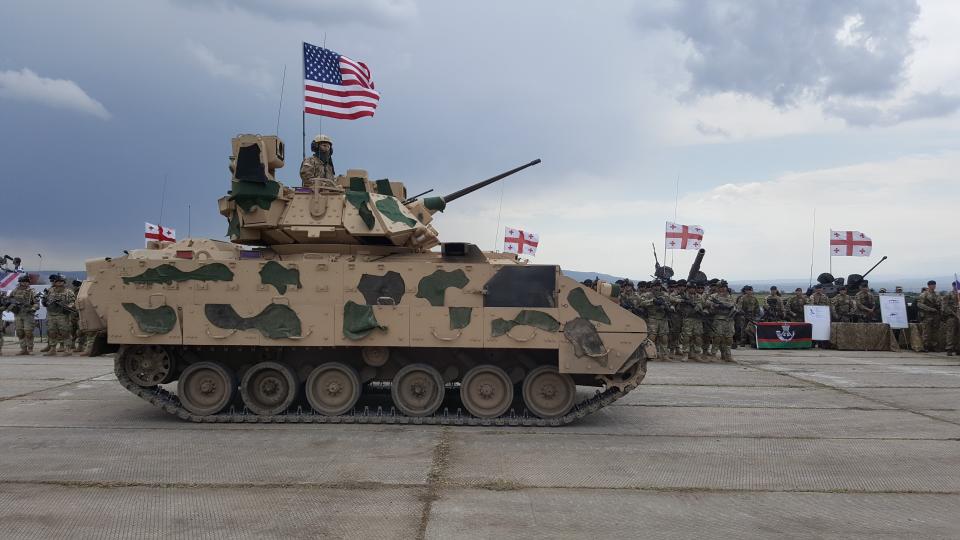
(796, 444)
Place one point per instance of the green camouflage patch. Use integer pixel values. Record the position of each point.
(359, 321)
(276, 321)
(579, 302)
(526, 317)
(460, 317)
(250, 194)
(274, 273)
(389, 208)
(359, 200)
(433, 288)
(159, 320)
(168, 273)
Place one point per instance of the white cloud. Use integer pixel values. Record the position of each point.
(754, 230)
(25, 85)
(255, 77)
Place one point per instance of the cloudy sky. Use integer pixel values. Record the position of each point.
(742, 117)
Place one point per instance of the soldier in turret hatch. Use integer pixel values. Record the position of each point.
(320, 164)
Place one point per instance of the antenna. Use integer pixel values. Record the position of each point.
(40, 264)
(813, 241)
(496, 236)
(163, 195)
(189, 222)
(283, 82)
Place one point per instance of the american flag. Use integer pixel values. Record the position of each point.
(336, 86)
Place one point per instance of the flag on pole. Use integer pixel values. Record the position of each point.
(336, 86)
(850, 244)
(520, 242)
(159, 233)
(683, 236)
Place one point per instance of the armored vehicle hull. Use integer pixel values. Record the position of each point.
(458, 336)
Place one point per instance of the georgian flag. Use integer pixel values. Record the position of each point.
(850, 244)
(520, 242)
(159, 233)
(683, 236)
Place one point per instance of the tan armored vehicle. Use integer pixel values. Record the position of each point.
(328, 305)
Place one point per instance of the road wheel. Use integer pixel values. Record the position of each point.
(548, 393)
(486, 391)
(268, 388)
(206, 388)
(333, 388)
(148, 365)
(417, 390)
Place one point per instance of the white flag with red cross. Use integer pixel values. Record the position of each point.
(159, 233)
(520, 242)
(683, 236)
(850, 244)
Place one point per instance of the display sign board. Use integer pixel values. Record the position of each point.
(819, 319)
(893, 310)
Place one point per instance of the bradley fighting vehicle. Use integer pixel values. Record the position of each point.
(328, 305)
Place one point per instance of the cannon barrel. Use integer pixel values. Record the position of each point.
(695, 267)
(470, 189)
(874, 266)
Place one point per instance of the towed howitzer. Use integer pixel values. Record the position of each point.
(695, 275)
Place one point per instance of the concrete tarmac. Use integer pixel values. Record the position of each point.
(797, 444)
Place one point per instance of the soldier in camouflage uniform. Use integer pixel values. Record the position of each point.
(844, 308)
(950, 314)
(818, 298)
(676, 319)
(23, 303)
(748, 310)
(320, 164)
(59, 301)
(794, 305)
(78, 339)
(691, 330)
(776, 310)
(929, 308)
(708, 339)
(656, 304)
(866, 303)
(723, 307)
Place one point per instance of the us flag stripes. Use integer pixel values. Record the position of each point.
(336, 86)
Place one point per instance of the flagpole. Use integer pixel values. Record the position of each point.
(676, 204)
(830, 253)
(813, 243)
(303, 101)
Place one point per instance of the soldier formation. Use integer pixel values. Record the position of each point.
(696, 321)
(63, 320)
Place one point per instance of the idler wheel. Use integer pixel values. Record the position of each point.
(417, 390)
(268, 388)
(148, 365)
(206, 388)
(333, 388)
(548, 393)
(486, 391)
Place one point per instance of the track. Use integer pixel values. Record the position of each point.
(170, 403)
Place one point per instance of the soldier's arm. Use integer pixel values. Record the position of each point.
(306, 170)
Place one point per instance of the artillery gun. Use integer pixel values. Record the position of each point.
(339, 303)
(831, 286)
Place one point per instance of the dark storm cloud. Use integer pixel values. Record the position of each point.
(919, 106)
(327, 13)
(789, 51)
